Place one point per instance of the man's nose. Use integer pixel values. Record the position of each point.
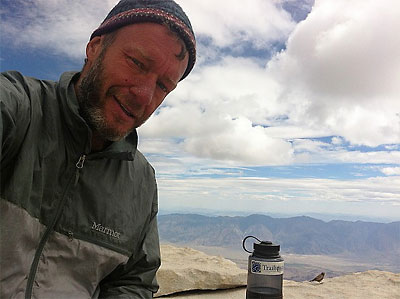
(143, 90)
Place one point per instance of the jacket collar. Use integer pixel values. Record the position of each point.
(79, 131)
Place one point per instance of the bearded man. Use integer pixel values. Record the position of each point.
(78, 200)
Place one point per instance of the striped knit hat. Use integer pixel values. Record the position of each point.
(128, 12)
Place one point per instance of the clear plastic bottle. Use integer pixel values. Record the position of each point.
(265, 271)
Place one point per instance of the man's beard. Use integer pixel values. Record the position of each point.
(91, 109)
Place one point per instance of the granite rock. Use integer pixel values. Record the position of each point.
(186, 269)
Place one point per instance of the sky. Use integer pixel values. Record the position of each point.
(293, 107)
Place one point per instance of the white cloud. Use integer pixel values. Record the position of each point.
(391, 170)
(337, 140)
(242, 142)
(60, 26)
(341, 70)
(220, 112)
(346, 48)
(235, 22)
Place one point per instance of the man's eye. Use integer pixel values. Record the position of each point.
(162, 87)
(138, 63)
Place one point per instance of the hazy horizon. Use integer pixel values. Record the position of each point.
(320, 216)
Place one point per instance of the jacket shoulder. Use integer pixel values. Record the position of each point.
(14, 81)
(19, 90)
(23, 101)
(143, 164)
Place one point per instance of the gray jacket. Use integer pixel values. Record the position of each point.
(74, 224)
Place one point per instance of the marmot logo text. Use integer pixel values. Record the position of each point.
(105, 230)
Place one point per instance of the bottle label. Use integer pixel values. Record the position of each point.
(267, 268)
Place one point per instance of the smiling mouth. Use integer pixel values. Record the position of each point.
(123, 108)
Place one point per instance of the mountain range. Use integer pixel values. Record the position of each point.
(297, 235)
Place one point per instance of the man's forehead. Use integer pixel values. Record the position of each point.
(149, 41)
(134, 32)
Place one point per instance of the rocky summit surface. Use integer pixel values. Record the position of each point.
(186, 269)
(192, 274)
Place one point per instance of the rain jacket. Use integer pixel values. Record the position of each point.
(74, 224)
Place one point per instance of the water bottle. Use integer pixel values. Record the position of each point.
(265, 271)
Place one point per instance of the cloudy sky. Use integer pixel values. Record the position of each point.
(293, 107)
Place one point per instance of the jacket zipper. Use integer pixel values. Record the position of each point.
(49, 229)
(79, 166)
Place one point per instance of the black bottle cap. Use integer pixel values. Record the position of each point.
(266, 249)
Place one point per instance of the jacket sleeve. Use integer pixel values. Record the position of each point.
(137, 279)
(14, 114)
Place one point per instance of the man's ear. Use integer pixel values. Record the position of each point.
(93, 48)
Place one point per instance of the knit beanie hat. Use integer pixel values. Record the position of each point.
(128, 12)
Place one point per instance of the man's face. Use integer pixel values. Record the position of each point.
(125, 82)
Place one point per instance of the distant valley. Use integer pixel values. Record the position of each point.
(309, 244)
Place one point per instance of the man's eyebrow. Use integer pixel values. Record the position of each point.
(143, 55)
